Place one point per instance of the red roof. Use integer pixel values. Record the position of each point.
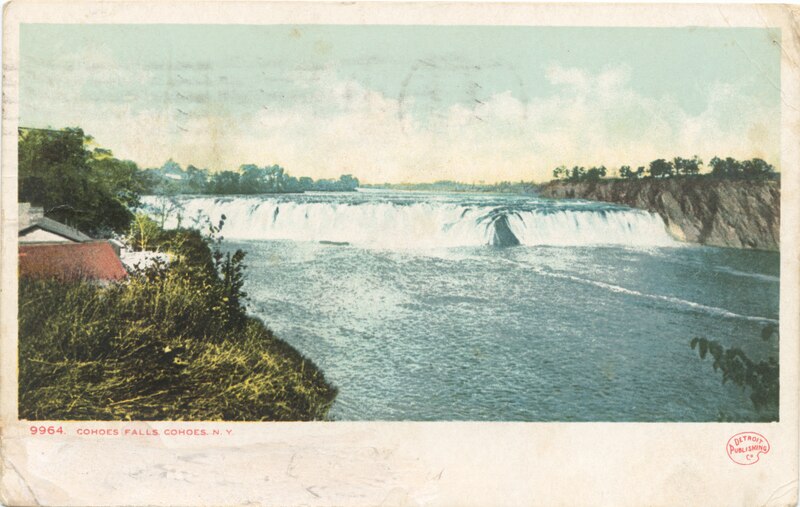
(95, 260)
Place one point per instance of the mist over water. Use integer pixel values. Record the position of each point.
(419, 306)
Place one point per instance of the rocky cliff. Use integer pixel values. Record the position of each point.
(728, 213)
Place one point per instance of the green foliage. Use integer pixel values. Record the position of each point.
(196, 179)
(755, 169)
(168, 343)
(88, 189)
(144, 232)
(231, 270)
(225, 182)
(171, 179)
(729, 168)
(661, 169)
(687, 166)
(762, 378)
(595, 173)
(578, 174)
(171, 342)
(629, 174)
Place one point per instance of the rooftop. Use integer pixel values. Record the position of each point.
(93, 260)
(57, 228)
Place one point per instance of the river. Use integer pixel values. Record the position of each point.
(435, 306)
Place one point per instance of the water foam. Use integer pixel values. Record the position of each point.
(422, 224)
(747, 274)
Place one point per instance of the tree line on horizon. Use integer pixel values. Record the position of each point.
(727, 168)
(171, 179)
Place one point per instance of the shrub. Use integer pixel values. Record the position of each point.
(144, 232)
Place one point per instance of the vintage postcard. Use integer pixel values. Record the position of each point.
(399, 254)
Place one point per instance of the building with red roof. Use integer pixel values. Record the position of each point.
(52, 250)
(93, 260)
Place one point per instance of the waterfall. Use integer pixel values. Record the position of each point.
(418, 224)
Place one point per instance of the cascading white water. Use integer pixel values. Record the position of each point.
(422, 224)
(588, 227)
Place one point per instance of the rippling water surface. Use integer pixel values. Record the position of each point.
(417, 307)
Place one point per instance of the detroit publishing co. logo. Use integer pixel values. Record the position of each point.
(746, 447)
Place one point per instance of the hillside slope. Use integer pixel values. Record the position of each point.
(728, 213)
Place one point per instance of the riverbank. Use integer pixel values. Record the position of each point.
(168, 343)
(715, 212)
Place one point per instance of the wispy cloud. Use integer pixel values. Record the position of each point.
(345, 127)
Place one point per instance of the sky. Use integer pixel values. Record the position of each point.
(406, 103)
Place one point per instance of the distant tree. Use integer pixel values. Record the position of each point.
(305, 183)
(151, 180)
(687, 166)
(269, 179)
(749, 169)
(757, 169)
(276, 178)
(348, 182)
(171, 167)
(196, 179)
(725, 168)
(626, 173)
(575, 174)
(292, 184)
(595, 173)
(225, 182)
(661, 168)
(253, 179)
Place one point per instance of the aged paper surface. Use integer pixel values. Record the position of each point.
(447, 453)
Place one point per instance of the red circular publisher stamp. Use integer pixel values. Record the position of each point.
(744, 448)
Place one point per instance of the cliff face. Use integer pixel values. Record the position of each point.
(728, 213)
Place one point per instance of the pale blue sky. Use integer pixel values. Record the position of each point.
(406, 102)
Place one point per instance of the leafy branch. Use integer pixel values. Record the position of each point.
(761, 377)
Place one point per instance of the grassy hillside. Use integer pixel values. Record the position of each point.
(172, 343)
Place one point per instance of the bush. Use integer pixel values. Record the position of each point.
(144, 232)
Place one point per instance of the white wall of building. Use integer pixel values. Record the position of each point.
(41, 236)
